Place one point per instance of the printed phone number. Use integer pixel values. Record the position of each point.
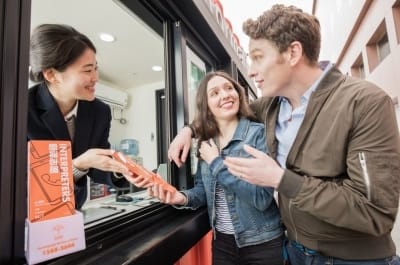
(55, 249)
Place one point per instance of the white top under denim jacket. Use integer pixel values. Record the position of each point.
(253, 210)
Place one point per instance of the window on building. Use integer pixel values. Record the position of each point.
(378, 47)
(396, 19)
(131, 71)
(357, 69)
(383, 48)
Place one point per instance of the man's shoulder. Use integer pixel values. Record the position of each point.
(260, 106)
(360, 89)
(261, 103)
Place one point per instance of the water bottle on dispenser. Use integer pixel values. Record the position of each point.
(130, 148)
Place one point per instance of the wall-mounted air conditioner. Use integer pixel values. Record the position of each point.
(111, 96)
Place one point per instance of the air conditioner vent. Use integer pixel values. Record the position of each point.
(111, 96)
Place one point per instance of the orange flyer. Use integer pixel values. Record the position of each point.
(50, 180)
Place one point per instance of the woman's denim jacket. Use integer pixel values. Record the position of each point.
(254, 212)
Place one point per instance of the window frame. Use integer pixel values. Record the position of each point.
(14, 55)
(372, 47)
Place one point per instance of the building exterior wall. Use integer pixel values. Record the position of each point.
(334, 31)
(348, 28)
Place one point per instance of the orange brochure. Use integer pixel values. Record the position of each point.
(50, 180)
(138, 170)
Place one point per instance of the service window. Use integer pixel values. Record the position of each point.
(130, 55)
(196, 70)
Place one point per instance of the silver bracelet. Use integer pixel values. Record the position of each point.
(191, 129)
(77, 173)
(118, 175)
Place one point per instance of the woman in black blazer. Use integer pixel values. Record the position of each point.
(62, 106)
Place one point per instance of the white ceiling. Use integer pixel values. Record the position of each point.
(125, 63)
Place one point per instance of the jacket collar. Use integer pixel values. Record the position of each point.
(325, 88)
(51, 116)
(268, 110)
(241, 129)
(54, 120)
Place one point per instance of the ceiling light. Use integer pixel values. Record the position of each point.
(106, 37)
(156, 68)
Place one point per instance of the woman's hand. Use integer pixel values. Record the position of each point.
(100, 159)
(180, 146)
(176, 198)
(208, 151)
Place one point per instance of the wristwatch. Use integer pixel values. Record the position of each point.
(77, 173)
(192, 129)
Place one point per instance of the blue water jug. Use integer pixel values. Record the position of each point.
(129, 147)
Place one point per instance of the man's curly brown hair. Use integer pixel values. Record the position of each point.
(283, 25)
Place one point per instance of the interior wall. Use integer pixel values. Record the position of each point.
(140, 113)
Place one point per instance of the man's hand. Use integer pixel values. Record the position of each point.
(180, 146)
(260, 170)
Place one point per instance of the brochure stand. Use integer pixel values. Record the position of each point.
(53, 227)
(45, 240)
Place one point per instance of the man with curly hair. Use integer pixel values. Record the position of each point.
(333, 141)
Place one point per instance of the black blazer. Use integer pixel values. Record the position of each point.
(92, 127)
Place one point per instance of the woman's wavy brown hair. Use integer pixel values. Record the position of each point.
(204, 123)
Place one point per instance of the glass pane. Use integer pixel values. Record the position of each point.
(383, 48)
(196, 69)
(362, 71)
(131, 70)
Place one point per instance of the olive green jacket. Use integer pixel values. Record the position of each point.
(340, 192)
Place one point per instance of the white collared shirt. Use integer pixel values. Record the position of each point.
(73, 112)
(289, 120)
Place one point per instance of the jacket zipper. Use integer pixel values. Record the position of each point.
(363, 163)
(291, 219)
